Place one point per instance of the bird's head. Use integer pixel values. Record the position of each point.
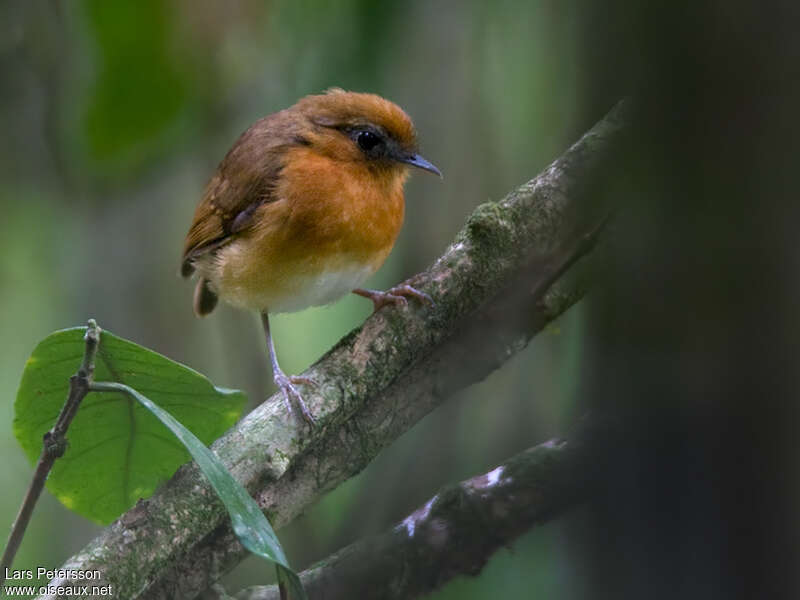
(362, 128)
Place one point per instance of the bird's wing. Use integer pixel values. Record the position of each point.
(244, 180)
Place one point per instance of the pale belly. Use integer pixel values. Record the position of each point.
(320, 289)
(290, 288)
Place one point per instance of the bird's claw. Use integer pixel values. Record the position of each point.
(286, 383)
(301, 380)
(398, 295)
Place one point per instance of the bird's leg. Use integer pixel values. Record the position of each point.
(395, 295)
(286, 383)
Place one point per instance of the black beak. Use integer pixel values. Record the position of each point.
(416, 160)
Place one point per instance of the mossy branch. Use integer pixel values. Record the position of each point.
(509, 272)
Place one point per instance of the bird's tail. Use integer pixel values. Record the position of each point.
(205, 299)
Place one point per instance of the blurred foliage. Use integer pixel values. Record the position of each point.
(114, 116)
(138, 88)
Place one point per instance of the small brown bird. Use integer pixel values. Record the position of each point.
(306, 205)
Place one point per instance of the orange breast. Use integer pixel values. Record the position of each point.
(333, 225)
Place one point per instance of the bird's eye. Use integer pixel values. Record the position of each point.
(367, 140)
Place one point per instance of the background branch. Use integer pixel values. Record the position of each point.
(455, 532)
(377, 382)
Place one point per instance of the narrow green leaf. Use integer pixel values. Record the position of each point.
(118, 451)
(296, 589)
(249, 523)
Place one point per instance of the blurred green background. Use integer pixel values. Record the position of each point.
(115, 114)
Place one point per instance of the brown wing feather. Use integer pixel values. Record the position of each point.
(244, 179)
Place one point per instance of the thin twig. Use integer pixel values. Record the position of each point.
(54, 445)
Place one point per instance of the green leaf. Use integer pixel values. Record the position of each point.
(118, 451)
(249, 523)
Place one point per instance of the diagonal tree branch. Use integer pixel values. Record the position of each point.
(494, 288)
(455, 532)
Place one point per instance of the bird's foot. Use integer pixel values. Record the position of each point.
(286, 384)
(397, 295)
